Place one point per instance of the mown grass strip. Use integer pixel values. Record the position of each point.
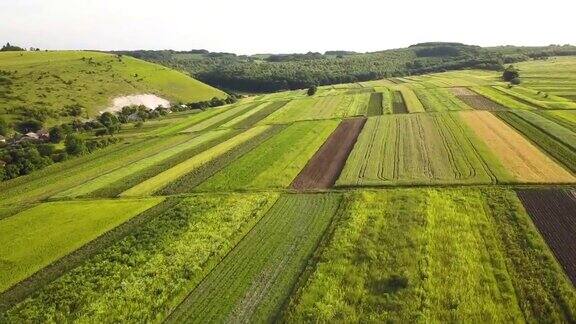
(40, 235)
(252, 283)
(197, 176)
(161, 180)
(251, 120)
(222, 118)
(141, 277)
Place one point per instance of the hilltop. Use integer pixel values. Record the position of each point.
(47, 84)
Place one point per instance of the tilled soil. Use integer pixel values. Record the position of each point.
(324, 168)
(475, 100)
(554, 213)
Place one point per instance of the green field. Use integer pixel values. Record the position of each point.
(276, 162)
(53, 80)
(383, 201)
(34, 238)
(393, 253)
(159, 263)
(419, 149)
(264, 274)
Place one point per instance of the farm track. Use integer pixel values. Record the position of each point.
(324, 168)
(43, 277)
(256, 278)
(476, 100)
(554, 214)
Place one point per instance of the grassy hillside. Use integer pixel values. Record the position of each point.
(32, 81)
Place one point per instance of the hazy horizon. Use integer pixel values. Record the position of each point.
(255, 27)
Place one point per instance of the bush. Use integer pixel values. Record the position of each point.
(56, 134)
(75, 145)
(27, 126)
(515, 81)
(312, 90)
(510, 73)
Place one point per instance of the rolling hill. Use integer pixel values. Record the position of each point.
(47, 82)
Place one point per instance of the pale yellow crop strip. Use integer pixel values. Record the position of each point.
(153, 184)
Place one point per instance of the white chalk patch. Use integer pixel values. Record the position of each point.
(149, 100)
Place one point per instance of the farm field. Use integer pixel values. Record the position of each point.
(34, 238)
(354, 204)
(255, 279)
(393, 251)
(418, 149)
(276, 162)
(553, 213)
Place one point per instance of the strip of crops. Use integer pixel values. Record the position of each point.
(143, 276)
(417, 149)
(410, 100)
(38, 236)
(375, 105)
(440, 99)
(254, 281)
(501, 98)
(197, 176)
(536, 98)
(558, 132)
(275, 163)
(312, 108)
(190, 121)
(524, 161)
(62, 176)
(565, 118)
(255, 115)
(393, 253)
(398, 105)
(161, 180)
(475, 100)
(115, 188)
(222, 118)
(140, 165)
(559, 150)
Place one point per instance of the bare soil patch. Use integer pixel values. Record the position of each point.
(475, 100)
(322, 171)
(554, 214)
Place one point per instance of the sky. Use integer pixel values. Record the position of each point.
(295, 26)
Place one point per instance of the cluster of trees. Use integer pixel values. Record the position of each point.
(23, 155)
(11, 48)
(267, 73)
(511, 74)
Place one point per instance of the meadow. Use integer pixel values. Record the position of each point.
(356, 204)
(53, 80)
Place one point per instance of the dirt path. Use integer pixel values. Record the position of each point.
(324, 168)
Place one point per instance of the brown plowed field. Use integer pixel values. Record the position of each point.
(324, 168)
(554, 213)
(475, 100)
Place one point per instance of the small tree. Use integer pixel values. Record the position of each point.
(56, 134)
(110, 121)
(312, 90)
(75, 145)
(510, 73)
